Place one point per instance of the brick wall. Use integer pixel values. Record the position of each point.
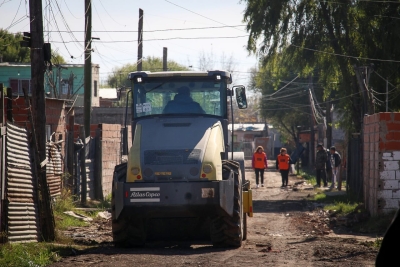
(55, 116)
(111, 154)
(382, 162)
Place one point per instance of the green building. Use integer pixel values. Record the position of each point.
(64, 81)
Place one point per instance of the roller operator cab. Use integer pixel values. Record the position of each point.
(181, 181)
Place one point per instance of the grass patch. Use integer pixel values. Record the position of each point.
(343, 204)
(343, 208)
(65, 203)
(32, 254)
(310, 178)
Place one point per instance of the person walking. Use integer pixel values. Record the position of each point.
(259, 164)
(283, 162)
(320, 162)
(335, 161)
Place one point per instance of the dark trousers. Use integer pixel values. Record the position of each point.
(321, 174)
(259, 172)
(285, 176)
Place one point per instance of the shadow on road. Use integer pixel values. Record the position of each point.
(266, 206)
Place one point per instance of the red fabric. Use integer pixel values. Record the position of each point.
(259, 161)
(283, 162)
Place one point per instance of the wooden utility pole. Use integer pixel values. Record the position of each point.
(165, 59)
(140, 41)
(39, 115)
(328, 123)
(87, 98)
(312, 133)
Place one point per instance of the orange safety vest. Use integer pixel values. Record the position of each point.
(283, 162)
(259, 160)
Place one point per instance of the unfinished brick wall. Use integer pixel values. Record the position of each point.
(110, 154)
(381, 162)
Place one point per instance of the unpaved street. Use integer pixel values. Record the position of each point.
(286, 230)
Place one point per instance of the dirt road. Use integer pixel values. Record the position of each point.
(286, 230)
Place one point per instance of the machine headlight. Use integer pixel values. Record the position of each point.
(135, 170)
(207, 168)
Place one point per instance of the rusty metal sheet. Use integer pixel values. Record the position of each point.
(54, 168)
(22, 212)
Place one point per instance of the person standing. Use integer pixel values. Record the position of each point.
(320, 162)
(283, 162)
(335, 161)
(259, 164)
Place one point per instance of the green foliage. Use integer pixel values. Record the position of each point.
(65, 203)
(10, 48)
(342, 208)
(310, 178)
(119, 76)
(325, 40)
(29, 255)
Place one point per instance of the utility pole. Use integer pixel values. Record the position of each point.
(312, 133)
(368, 107)
(165, 59)
(387, 95)
(87, 98)
(328, 122)
(140, 41)
(39, 115)
(87, 101)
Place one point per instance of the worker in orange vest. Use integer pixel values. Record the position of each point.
(283, 162)
(259, 164)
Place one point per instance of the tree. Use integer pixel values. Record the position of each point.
(10, 48)
(326, 39)
(119, 75)
(118, 78)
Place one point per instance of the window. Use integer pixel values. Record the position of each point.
(182, 96)
(17, 85)
(64, 88)
(95, 88)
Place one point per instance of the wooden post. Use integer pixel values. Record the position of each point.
(70, 152)
(83, 166)
(2, 162)
(140, 41)
(9, 105)
(98, 176)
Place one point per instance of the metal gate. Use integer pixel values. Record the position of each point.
(22, 222)
(354, 163)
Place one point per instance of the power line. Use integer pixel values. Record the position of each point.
(171, 29)
(341, 55)
(197, 14)
(164, 39)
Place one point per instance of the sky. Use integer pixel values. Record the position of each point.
(187, 29)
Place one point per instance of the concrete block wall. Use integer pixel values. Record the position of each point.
(382, 162)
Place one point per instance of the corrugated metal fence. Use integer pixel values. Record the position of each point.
(22, 210)
(54, 168)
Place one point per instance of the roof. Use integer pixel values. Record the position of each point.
(16, 64)
(108, 93)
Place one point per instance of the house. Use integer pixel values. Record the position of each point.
(247, 136)
(63, 81)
